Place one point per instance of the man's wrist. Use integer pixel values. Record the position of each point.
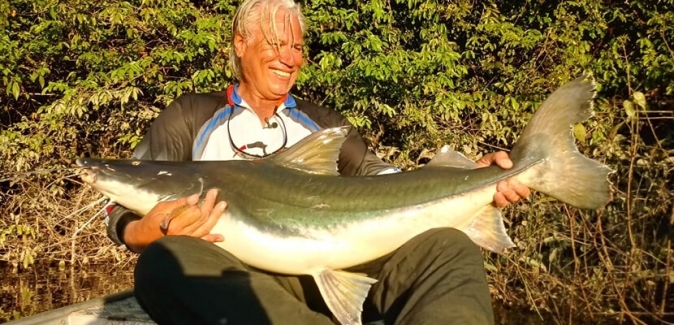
(138, 235)
(127, 235)
(131, 238)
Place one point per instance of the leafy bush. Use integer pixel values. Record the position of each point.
(82, 77)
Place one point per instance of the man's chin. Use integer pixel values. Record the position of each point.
(281, 85)
(280, 90)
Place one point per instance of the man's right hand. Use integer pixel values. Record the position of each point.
(180, 217)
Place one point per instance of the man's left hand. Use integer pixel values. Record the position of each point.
(509, 190)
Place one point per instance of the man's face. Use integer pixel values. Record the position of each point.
(270, 65)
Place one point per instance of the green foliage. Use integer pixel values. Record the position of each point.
(442, 71)
(22, 231)
(83, 77)
(67, 63)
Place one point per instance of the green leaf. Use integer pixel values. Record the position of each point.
(580, 132)
(629, 108)
(15, 89)
(640, 99)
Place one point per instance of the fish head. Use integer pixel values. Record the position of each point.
(135, 184)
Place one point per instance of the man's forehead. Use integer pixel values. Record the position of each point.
(282, 23)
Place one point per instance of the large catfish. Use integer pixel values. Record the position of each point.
(293, 214)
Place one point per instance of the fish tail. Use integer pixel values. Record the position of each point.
(547, 142)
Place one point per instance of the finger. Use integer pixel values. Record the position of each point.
(209, 203)
(193, 199)
(167, 206)
(511, 196)
(211, 220)
(499, 200)
(183, 220)
(502, 159)
(190, 222)
(522, 190)
(169, 216)
(507, 192)
(205, 210)
(164, 224)
(213, 238)
(159, 212)
(486, 160)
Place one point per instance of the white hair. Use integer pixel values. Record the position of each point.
(251, 12)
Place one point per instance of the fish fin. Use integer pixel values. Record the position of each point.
(487, 230)
(315, 154)
(446, 157)
(344, 293)
(547, 141)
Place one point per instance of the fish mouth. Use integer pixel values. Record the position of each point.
(87, 173)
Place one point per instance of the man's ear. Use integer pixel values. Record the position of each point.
(239, 45)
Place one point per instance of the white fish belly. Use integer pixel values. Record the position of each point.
(351, 244)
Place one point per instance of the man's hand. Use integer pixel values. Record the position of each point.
(507, 191)
(178, 217)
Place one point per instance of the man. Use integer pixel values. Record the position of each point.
(181, 278)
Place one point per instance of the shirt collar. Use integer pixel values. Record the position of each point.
(233, 98)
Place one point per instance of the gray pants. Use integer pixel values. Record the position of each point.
(436, 278)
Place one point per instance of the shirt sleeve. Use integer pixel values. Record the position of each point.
(170, 137)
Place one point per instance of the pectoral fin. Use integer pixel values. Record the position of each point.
(344, 293)
(446, 157)
(317, 153)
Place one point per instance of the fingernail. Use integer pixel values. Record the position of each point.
(222, 206)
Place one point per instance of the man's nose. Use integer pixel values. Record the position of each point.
(287, 55)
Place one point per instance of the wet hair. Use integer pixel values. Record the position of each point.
(252, 12)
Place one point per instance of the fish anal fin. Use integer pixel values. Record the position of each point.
(344, 293)
(315, 154)
(488, 231)
(446, 157)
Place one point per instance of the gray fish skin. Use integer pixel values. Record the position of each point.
(292, 214)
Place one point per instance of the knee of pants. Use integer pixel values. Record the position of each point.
(181, 256)
(173, 257)
(448, 241)
(156, 260)
(161, 249)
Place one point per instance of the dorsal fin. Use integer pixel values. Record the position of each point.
(317, 153)
(446, 157)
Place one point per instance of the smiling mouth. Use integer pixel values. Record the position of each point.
(280, 73)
